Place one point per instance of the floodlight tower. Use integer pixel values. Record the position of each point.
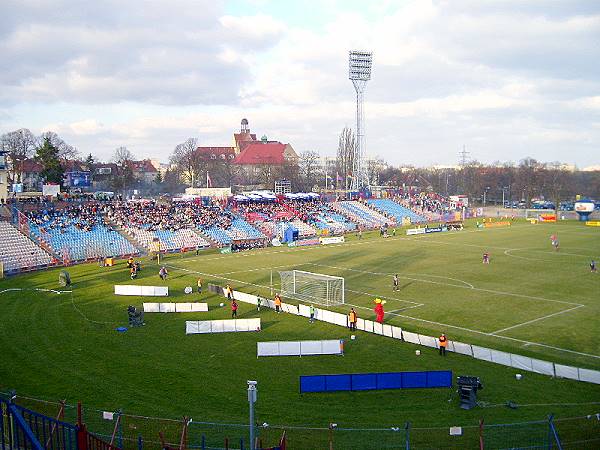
(359, 74)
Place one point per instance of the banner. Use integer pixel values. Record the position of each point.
(584, 206)
(435, 229)
(413, 231)
(50, 189)
(331, 240)
(226, 250)
(78, 179)
(496, 224)
(276, 242)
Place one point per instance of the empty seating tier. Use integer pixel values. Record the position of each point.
(74, 243)
(362, 214)
(18, 252)
(396, 210)
(168, 240)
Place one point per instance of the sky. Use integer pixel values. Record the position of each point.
(506, 79)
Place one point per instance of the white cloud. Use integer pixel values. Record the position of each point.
(510, 79)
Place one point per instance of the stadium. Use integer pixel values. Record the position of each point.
(344, 275)
(163, 381)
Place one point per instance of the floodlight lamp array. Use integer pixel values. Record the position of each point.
(360, 65)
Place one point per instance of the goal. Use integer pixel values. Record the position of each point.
(311, 287)
(535, 213)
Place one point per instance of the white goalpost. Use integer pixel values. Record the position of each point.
(535, 213)
(311, 287)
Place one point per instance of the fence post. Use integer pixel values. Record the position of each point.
(140, 442)
(241, 443)
(553, 433)
(407, 435)
(481, 444)
(203, 443)
(82, 441)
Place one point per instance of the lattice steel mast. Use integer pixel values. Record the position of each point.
(359, 73)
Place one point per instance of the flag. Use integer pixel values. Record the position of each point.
(208, 180)
(337, 177)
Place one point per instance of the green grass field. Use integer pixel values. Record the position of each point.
(530, 300)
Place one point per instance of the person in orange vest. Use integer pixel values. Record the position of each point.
(130, 262)
(277, 300)
(352, 318)
(443, 340)
(228, 292)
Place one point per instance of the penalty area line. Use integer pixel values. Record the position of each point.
(418, 319)
(537, 320)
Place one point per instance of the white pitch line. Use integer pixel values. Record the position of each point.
(445, 325)
(35, 289)
(491, 291)
(404, 309)
(508, 253)
(422, 320)
(384, 297)
(536, 320)
(469, 285)
(258, 270)
(414, 238)
(521, 341)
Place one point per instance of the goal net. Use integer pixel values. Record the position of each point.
(535, 213)
(311, 287)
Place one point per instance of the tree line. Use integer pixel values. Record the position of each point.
(527, 180)
(523, 182)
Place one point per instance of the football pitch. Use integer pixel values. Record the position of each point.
(529, 300)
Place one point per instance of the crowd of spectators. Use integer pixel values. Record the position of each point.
(238, 246)
(152, 215)
(425, 203)
(82, 216)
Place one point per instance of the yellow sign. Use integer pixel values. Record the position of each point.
(593, 223)
(496, 224)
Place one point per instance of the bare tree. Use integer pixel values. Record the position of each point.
(309, 170)
(19, 145)
(123, 159)
(374, 168)
(122, 156)
(222, 170)
(187, 160)
(66, 152)
(345, 156)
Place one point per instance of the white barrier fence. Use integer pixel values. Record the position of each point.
(175, 307)
(300, 348)
(485, 354)
(221, 326)
(143, 291)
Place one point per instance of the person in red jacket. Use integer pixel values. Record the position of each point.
(379, 312)
(234, 308)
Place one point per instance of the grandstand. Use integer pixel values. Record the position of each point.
(169, 240)
(78, 244)
(218, 235)
(304, 229)
(399, 212)
(18, 252)
(242, 230)
(361, 214)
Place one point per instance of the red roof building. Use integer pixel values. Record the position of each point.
(248, 151)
